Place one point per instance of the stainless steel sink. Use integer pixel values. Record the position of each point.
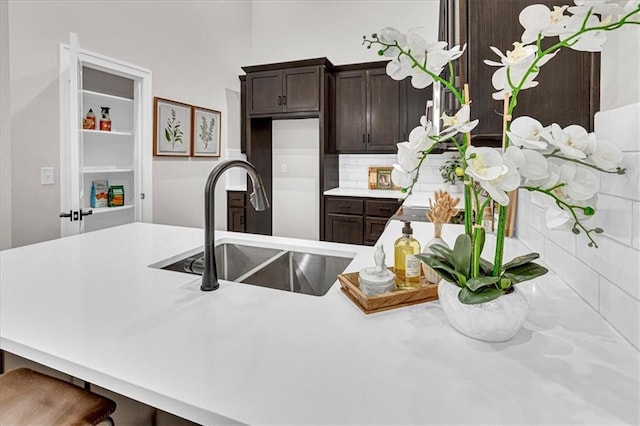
(232, 260)
(280, 269)
(299, 272)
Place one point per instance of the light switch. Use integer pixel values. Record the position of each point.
(46, 175)
(283, 167)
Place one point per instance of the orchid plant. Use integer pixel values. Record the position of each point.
(556, 163)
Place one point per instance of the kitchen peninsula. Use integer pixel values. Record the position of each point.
(90, 306)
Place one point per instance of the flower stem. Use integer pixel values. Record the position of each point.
(502, 222)
(618, 171)
(571, 208)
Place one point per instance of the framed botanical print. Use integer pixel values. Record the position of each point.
(172, 128)
(205, 140)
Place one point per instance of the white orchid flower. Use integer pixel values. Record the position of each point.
(605, 8)
(410, 153)
(521, 55)
(515, 63)
(400, 68)
(401, 177)
(436, 59)
(499, 187)
(556, 217)
(606, 155)
(530, 164)
(459, 123)
(579, 183)
(539, 19)
(527, 132)
(488, 168)
(590, 41)
(390, 35)
(484, 163)
(573, 140)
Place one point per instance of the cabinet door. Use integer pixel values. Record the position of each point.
(373, 228)
(264, 92)
(344, 228)
(413, 106)
(351, 111)
(301, 89)
(383, 111)
(568, 92)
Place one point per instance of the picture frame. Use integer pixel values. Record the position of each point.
(172, 128)
(380, 178)
(206, 125)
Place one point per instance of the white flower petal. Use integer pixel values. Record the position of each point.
(556, 217)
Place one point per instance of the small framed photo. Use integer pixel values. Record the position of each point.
(380, 178)
(205, 123)
(172, 128)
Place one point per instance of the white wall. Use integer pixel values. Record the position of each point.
(289, 30)
(606, 277)
(195, 50)
(295, 200)
(5, 132)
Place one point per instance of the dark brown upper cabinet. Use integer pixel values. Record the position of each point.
(367, 111)
(281, 91)
(568, 90)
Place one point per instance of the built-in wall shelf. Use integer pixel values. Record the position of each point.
(105, 96)
(101, 170)
(105, 133)
(102, 210)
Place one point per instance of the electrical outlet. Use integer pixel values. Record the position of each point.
(283, 167)
(46, 175)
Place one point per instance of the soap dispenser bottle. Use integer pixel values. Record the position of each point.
(407, 265)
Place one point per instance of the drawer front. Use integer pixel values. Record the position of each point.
(236, 199)
(381, 208)
(345, 205)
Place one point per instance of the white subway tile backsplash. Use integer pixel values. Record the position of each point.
(613, 216)
(580, 277)
(530, 238)
(627, 185)
(635, 223)
(620, 310)
(615, 261)
(564, 238)
(620, 126)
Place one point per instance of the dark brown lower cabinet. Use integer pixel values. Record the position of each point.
(344, 228)
(356, 220)
(236, 205)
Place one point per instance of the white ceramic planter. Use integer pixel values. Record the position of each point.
(495, 321)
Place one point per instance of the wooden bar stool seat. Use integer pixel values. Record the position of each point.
(31, 398)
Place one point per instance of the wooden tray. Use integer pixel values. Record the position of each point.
(383, 302)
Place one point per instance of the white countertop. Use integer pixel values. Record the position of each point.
(90, 306)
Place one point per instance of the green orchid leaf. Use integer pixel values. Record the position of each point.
(486, 267)
(462, 254)
(478, 282)
(443, 251)
(443, 270)
(486, 294)
(480, 238)
(167, 135)
(525, 272)
(504, 283)
(520, 260)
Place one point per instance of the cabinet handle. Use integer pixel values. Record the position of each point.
(279, 100)
(345, 207)
(284, 100)
(369, 138)
(242, 220)
(363, 139)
